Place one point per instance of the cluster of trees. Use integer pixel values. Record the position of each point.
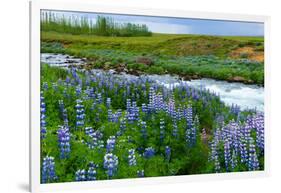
(104, 26)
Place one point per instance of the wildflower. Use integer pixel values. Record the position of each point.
(48, 170)
(80, 175)
(149, 152)
(110, 144)
(167, 153)
(110, 164)
(64, 141)
(132, 158)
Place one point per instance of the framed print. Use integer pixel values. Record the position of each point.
(125, 96)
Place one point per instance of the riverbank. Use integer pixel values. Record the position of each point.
(189, 56)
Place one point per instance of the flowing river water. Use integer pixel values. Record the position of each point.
(231, 93)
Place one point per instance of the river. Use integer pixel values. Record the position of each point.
(244, 95)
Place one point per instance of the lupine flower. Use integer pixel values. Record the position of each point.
(63, 112)
(122, 127)
(189, 116)
(144, 108)
(108, 102)
(217, 164)
(80, 114)
(227, 156)
(140, 173)
(43, 116)
(80, 175)
(48, 170)
(109, 115)
(132, 158)
(92, 172)
(143, 129)
(259, 125)
(162, 130)
(243, 151)
(99, 98)
(149, 152)
(152, 96)
(78, 90)
(175, 130)
(110, 164)
(233, 160)
(110, 144)
(167, 153)
(64, 142)
(96, 138)
(253, 162)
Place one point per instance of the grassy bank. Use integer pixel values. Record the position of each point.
(190, 56)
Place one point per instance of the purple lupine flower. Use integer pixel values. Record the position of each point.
(110, 144)
(80, 114)
(99, 98)
(144, 108)
(110, 115)
(188, 138)
(227, 156)
(140, 173)
(108, 102)
(78, 90)
(233, 160)
(96, 138)
(162, 130)
(152, 96)
(92, 172)
(128, 105)
(189, 116)
(171, 108)
(217, 164)
(43, 127)
(64, 141)
(123, 126)
(259, 125)
(48, 173)
(253, 162)
(194, 129)
(175, 132)
(243, 151)
(80, 175)
(167, 153)
(132, 158)
(63, 112)
(149, 152)
(110, 164)
(143, 129)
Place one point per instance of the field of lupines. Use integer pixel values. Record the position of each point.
(99, 126)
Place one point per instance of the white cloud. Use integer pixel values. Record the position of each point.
(166, 27)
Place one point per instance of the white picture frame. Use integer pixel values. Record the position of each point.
(36, 6)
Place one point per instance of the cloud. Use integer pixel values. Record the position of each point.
(166, 27)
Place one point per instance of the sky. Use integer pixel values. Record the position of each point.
(181, 25)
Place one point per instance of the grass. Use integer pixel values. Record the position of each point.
(190, 56)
